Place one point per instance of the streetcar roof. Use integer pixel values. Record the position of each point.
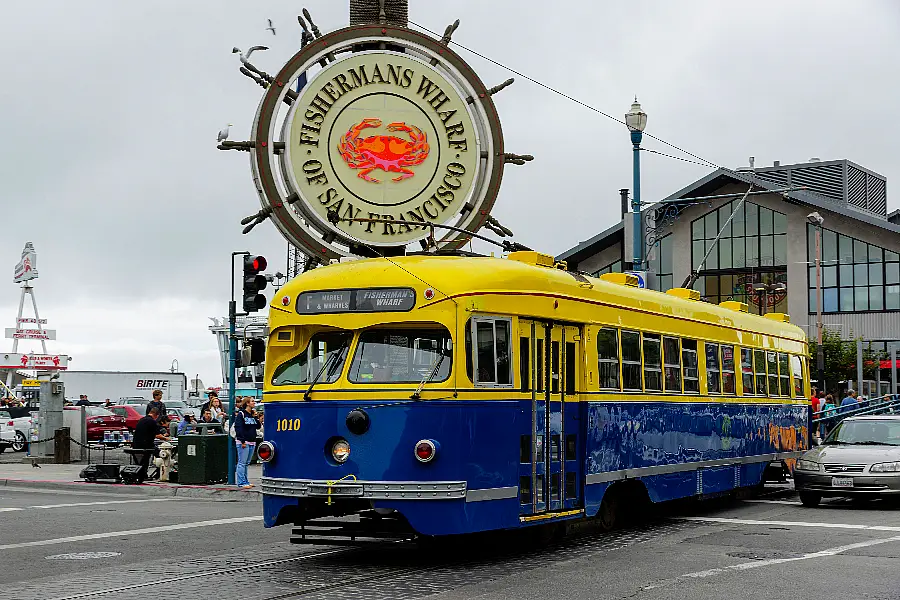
(457, 276)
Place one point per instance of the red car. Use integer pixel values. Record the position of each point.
(132, 413)
(100, 420)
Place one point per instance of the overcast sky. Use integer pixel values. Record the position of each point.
(109, 112)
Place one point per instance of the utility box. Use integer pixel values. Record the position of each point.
(203, 458)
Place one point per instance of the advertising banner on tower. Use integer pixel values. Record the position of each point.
(14, 360)
(26, 270)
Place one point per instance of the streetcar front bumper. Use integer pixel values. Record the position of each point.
(368, 490)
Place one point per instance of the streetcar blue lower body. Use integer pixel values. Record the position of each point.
(482, 477)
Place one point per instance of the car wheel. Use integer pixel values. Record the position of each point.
(20, 443)
(810, 499)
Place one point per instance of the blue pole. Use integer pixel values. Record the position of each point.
(232, 360)
(636, 201)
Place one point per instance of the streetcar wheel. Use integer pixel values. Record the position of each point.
(810, 499)
(608, 514)
(20, 443)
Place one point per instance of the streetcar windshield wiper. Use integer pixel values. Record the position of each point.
(417, 395)
(339, 352)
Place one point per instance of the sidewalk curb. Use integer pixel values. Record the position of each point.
(217, 493)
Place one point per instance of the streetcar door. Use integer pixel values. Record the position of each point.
(555, 418)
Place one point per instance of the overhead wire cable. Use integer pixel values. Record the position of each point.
(704, 162)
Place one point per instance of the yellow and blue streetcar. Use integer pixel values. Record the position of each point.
(451, 394)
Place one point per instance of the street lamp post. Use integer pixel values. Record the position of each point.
(636, 121)
(816, 219)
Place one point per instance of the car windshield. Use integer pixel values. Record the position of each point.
(5, 415)
(175, 404)
(402, 355)
(304, 368)
(869, 432)
(96, 411)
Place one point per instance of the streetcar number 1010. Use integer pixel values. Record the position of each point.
(287, 425)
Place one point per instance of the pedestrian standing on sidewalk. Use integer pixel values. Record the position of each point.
(146, 432)
(246, 422)
(158, 404)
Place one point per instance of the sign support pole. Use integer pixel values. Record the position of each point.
(15, 348)
(37, 317)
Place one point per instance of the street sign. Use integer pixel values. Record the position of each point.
(14, 360)
(31, 383)
(31, 321)
(30, 334)
(641, 277)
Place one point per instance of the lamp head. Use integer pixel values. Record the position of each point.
(815, 218)
(636, 119)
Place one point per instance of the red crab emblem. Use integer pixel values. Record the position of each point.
(389, 153)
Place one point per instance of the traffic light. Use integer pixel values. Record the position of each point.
(253, 352)
(254, 283)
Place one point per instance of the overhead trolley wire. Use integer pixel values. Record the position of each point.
(703, 162)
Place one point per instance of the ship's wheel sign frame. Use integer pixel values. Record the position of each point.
(394, 126)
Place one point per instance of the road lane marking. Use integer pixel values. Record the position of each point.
(75, 504)
(791, 523)
(772, 561)
(110, 534)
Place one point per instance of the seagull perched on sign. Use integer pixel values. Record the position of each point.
(246, 57)
(271, 27)
(223, 133)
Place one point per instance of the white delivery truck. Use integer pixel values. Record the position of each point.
(116, 385)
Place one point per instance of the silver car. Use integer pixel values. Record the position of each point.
(860, 457)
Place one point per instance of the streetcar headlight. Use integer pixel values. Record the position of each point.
(426, 450)
(340, 451)
(807, 465)
(265, 451)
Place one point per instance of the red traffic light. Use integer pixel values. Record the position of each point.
(254, 264)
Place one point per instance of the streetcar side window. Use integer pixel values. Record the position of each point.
(492, 352)
(652, 363)
(608, 358)
(772, 364)
(539, 366)
(784, 377)
(728, 386)
(672, 364)
(712, 368)
(759, 367)
(691, 369)
(525, 363)
(631, 360)
(747, 371)
(797, 371)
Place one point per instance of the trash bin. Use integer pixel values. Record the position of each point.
(203, 457)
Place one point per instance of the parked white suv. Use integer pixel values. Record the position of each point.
(20, 425)
(7, 436)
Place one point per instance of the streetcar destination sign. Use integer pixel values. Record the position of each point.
(368, 300)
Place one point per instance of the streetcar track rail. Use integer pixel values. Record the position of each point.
(388, 565)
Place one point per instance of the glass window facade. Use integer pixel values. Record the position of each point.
(856, 276)
(661, 263)
(751, 251)
(755, 237)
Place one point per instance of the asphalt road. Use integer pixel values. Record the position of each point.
(52, 545)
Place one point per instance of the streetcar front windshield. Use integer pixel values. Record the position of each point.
(325, 347)
(402, 356)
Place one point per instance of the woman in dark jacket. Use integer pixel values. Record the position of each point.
(246, 422)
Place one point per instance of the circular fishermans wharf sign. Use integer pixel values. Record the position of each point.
(386, 137)
(392, 132)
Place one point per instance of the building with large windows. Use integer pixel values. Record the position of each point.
(765, 251)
